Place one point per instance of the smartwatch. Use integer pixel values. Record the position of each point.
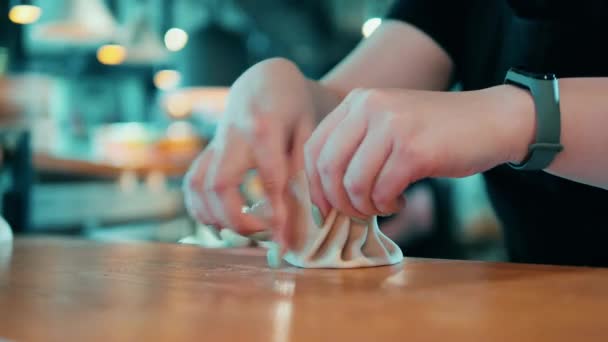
(545, 92)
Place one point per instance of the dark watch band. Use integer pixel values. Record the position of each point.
(545, 92)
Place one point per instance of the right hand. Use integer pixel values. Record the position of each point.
(269, 116)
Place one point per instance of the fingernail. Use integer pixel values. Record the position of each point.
(385, 211)
(273, 257)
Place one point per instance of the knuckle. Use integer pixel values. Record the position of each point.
(261, 128)
(354, 187)
(408, 152)
(326, 168)
(354, 98)
(370, 99)
(356, 94)
(220, 185)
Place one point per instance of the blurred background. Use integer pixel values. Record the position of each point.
(104, 104)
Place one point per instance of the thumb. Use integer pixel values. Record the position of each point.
(302, 132)
(271, 163)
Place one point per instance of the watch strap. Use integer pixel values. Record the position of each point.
(545, 92)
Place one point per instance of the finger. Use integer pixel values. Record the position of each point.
(223, 178)
(192, 202)
(391, 182)
(230, 203)
(207, 210)
(296, 159)
(193, 188)
(335, 157)
(202, 195)
(363, 169)
(312, 149)
(296, 149)
(198, 210)
(270, 153)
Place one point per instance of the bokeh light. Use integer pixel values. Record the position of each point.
(24, 14)
(167, 79)
(111, 54)
(176, 39)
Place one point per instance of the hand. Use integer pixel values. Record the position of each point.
(269, 116)
(375, 143)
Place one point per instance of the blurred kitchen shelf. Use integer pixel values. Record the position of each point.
(61, 206)
(46, 162)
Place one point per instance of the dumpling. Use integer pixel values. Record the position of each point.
(338, 242)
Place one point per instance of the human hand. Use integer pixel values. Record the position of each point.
(375, 143)
(269, 115)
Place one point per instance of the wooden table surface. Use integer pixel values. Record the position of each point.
(69, 290)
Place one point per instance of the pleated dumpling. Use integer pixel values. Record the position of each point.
(338, 242)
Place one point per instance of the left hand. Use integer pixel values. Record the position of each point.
(376, 142)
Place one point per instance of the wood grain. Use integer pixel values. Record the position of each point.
(69, 290)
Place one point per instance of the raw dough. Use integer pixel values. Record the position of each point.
(339, 242)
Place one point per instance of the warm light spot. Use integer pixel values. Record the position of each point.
(167, 79)
(370, 26)
(176, 39)
(24, 14)
(179, 106)
(111, 54)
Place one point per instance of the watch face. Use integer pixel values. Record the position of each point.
(535, 75)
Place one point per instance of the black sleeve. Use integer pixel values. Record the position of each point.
(443, 20)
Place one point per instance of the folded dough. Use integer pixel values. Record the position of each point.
(338, 242)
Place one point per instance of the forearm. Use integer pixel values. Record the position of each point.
(397, 55)
(584, 130)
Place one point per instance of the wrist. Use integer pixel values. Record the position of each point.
(520, 121)
(324, 97)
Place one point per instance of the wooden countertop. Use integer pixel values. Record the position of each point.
(69, 290)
